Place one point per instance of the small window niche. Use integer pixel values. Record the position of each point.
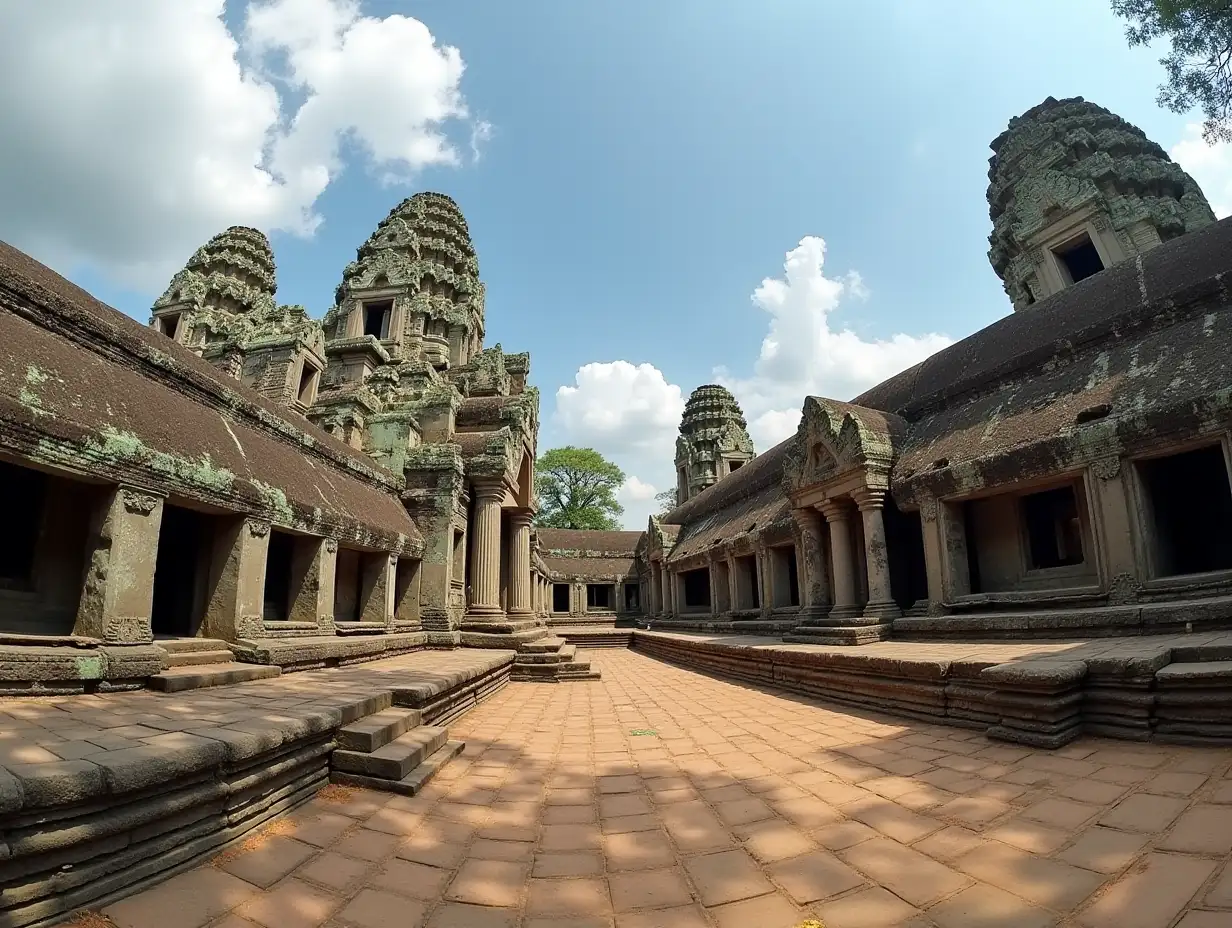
(1079, 258)
(376, 318)
(309, 378)
(1189, 503)
(1053, 528)
(598, 596)
(169, 324)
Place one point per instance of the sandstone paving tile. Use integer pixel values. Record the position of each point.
(567, 921)
(808, 813)
(577, 896)
(624, 804)
(949, 843)
(683, 916)
(1151, 895)
(1041, 880)
(814, 876)
(982, 906)
(1173, 783)
(1204, 829)
(726, 876)
(1097, 792)
(428, 850)
(462, 915)
(643, 850)
(367, 844)
(1220, 892)
(1061, 813)
(570, 837)
(188, 900)
(264, 864)
(1104, 850)
(870, 908)
(407, 878)
(290, 904)
(841, 835)
(334, 870)
(490, 849)
(649, 889)
(773, 840)
(626, 823)
(1029, 836)
(376, 909)
(891, 819)
(569, 815)
(1204, 920)
(743, 811)
(1143, 812)
(770, 911)
(972, 810)
(693, 827)
(489, 882)
(907, 873)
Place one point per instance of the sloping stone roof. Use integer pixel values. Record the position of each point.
(579, 543)
(764, 469)
(591, 568)
(83, 387)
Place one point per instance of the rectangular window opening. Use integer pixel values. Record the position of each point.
(1190, 505)
(170, 324)
(1054, 530)
(376, 318)
(1080, 258)
(598, 596)
(560, 597)
(307, 384)
(23, 492)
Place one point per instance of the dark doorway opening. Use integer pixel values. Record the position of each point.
(277, 601)
(1191, 511)
(632, 603)
(376, 319)
(560, 597)
(23, 491)
(1080, 258)
(1054, 531)
(178, 604)
(905, 546)
(598, 596)
(696, 588)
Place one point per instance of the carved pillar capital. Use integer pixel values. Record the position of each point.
(138, 502)
(867, 498)
(257, 528)
(833, 510)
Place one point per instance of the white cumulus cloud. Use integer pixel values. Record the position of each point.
(139, 128)
(1209, 165)
(803, 354)
(630, 414)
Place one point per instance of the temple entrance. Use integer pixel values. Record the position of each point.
(696, 585)
(905, 545)
(560, 597)
(183, 551)
(1189, 506)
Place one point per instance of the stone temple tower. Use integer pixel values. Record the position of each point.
(222, 306)
(714, 440)
(1074, 189)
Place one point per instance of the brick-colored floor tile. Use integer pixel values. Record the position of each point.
(427, 850)
(726, 876)
(648, 889)
(268, 861)
(291, 904)
(368, 845)
(1061, 813)
(981, 906)
(774, 840)
(185, 901)
(916, 878)
(461, 915)
(570, 837)
(334, 870)
(694, 827)
(771, 911)
(1145, 813)
(1152, 895)
(641, 850)
(1103, 850)
(489, 882)
(574, 896)
(1204, 829)
(411, 879)
(375, 909)
(568, 863)
(1046, 882)
(869, 908)
(814, 876)
(684, 916)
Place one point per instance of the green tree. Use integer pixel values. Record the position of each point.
(666, 500)
(577, 489)
(1199, 66)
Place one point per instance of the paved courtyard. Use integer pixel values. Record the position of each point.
(661, 797)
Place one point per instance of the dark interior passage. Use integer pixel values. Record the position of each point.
(178, 594)
(1191, 510)
(560, 597)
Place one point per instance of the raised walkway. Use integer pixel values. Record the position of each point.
(659, 796)
(102, 794)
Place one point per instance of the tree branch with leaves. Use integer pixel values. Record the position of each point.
(1199, 65)
(577, 489)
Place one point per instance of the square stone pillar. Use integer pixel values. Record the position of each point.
(237, 587)
(955, 569)
(313, 568)
(881, 605)
(117, 596)
(1114, 534)
(934, 554)
(379, 572)
(810, 569)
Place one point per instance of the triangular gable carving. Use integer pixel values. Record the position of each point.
(834, 439)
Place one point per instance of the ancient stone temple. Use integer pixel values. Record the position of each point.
(714, 440)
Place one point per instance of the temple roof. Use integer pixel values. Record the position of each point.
(764, 469)
(85, 388)
(591, 568)
(567, 542)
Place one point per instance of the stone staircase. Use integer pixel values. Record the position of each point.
(550, 660)
(392, 751)
(194, 663)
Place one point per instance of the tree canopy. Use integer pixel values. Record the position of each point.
(666, 500)
(1199, 66)
(577, 489)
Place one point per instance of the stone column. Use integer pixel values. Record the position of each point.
(934, 559)
(486, 552)
(955, 568)
(118, 594)
(713, 574)
(519, 564)
(765, 580)
(313, 568)
(881, 603)
(237, 598)
(1114, 536)
(656, 588)
(673, 590)
(840, 556)
(809, 566)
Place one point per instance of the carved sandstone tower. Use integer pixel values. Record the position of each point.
(713, 442)
(1074, 189)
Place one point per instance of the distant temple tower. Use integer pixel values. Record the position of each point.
(1074, 189)
(222, 307)
(713, 442)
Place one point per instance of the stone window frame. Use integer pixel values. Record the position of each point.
(1089, 565)
(1051, 273)
(1140, 514)
(166, 312)
(318, 372)
(361, 298)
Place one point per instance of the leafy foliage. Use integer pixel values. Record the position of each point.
(1199, 66)
(577, 489)
(666, 501)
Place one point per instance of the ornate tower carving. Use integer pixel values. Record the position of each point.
(1074, 189)
(222, 307)
(713, 442)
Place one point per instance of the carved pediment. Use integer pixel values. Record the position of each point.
(835, 438)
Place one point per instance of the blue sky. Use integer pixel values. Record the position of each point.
(650, 163)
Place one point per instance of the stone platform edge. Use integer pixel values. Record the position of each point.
(1044, 700)
(81, 833)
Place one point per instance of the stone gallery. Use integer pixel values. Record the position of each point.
(239, 492)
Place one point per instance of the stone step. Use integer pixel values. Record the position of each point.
(410, 784)
(1196, 673)
(179, 645)
(179, 679)
(196, 658)
(377, 730)
(395, 760)
(550, 643)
